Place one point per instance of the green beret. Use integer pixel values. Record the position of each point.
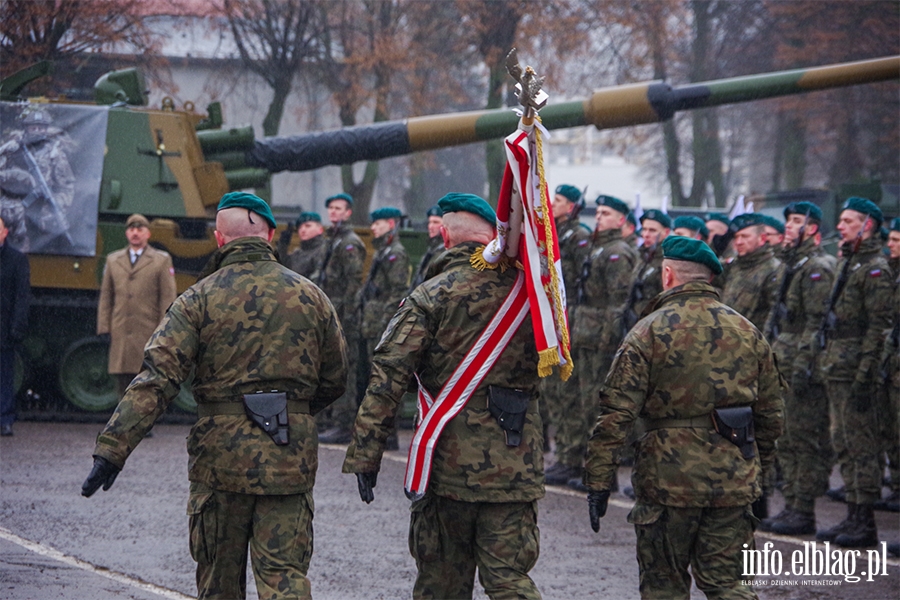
(658, 216)
(721, 218)
(895, 224)
(341, 196)
(631, 218)
(613, 203)
(773, 223)
(470, 203)
(250, 202)
(388, 212)
(570, 192)
(864, 206)
(434, 211)
(678, 247)
(747, 220)
(804, 208)
(692, 223)
(306, 217)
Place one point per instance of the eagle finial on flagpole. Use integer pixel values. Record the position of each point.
(528, 87)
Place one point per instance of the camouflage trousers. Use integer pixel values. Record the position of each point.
(804, 449)
(449, 539)
(889, 418)
(709, 540)
(277, 529)
(851, 435)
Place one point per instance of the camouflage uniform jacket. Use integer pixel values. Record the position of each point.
(435, 247)
(810, 286)
(252, 325)
(386, 285)
(431, 333)
(632, 240)
(647, 278)
(308, 258)
(863, 313)
(751, 284)
(692, 354)
(342, 273)
(574, 246)
(603, 287)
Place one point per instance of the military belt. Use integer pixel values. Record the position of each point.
(702, 422)
(211, 409)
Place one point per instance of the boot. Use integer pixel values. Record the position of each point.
(837, 494)
(891, 503)
(794, 523)
(766, 524)
(863, 533)
(829, 535)
(560, 474)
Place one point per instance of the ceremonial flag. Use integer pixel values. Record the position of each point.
(638, 210)
(526, 231)
(738, 208)
(664, 207)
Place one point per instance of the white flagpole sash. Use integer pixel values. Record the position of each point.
(459, 388)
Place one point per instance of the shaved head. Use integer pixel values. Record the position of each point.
(234, 223)
(459, 227)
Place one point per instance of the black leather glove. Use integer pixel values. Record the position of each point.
(285, 238)
(366, 482)
(597, 502)
(103, 473)
(861, 395)
(800, 383)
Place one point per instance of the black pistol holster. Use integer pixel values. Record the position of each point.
(269, 411)
(735, 424)
(508, 406)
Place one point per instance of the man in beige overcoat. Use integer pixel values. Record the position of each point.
(138, 287)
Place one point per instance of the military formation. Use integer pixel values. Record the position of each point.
(739, 345)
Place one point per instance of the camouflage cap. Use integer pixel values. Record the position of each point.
(306, 217)
(864, 206)
(774, 223)
(720, 217)
(614, 203)
(470, 203)
(16, 182)
(136, 220)
(658, 216)
(804, 208)
(895, 224)
(678, 247)
(695, 224)
(570, 192)
(346, 197)
(434, 211)
(747, 220)
(249, 201)
(388, 212)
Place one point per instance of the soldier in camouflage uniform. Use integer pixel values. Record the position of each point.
(629, 230)
(250, 326)
(804, 451)
(720, 234)
(655, 227)
(889, 377)
(341, 279)
(751, 279)
(692, 227)
(689, 359)
(435, 246)
(859, 316)
(775, 236)
(559, 399)
(15, 185)
(480, 508)
(308, 258)
(597, 328)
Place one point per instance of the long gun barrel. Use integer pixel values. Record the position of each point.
(607, 108)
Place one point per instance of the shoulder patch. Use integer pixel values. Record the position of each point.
(613, 257)
(815, 276)
(582, 243)
(349, 248)
(392, 258)
(875, 273)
